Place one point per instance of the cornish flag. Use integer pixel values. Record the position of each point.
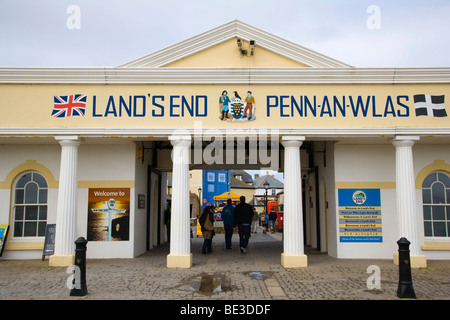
(427, 105)
(68, 106)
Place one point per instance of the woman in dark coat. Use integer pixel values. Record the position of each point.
(207, 227)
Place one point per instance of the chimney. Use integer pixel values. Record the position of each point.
(256, 175)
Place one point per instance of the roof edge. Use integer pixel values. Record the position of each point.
(225, 32)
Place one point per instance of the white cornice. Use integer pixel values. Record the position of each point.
(111, 75)
(228, 31)
(149, 133)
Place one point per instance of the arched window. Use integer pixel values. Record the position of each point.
(436, 204)
(30, 206)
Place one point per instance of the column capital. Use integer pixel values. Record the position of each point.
(404, 141)
(182, 140)
(292, 141)
(68, 141)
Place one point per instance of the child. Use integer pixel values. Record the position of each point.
(264, 220)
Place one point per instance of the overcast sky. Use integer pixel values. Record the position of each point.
(34, 33)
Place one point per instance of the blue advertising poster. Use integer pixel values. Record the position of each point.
(3, 236)
(360, 215)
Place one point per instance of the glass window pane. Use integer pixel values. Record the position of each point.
(40, 180)
(448, 213)
(426, 195)
(427, 229)
(23, 180)
(448, 197)
(438, 193)
(438, 213)
(18, 229)
(31, 213)
(31, 193)
(439, 229)
(448, 229)
(445, 179)
(30, 229)
(429, 180)
(43, 196)
(426, 212)
(42, 212)
(19, 196)
(41, 229)
(18, 214)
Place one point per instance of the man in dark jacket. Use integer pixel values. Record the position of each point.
(272, 219)
(243, 219)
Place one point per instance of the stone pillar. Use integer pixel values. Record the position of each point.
(67, 203)
(293, 255)
(406, 197)
(180, 255)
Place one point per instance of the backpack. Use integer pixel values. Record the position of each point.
(263, 218)
(208, 224)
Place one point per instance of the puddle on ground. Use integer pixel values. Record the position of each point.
(206, 284)
(260, 275)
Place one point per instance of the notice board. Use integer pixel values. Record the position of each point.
(49, 243)
(360, 215)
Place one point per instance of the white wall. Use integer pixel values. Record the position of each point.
(375, 163)
(98, 163)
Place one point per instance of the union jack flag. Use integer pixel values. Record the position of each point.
(67, 106)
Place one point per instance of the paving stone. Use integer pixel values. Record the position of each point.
(257, 275)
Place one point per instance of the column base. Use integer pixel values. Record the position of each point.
(417, 260)
(179, 261)
(294, 260)
(61, 260)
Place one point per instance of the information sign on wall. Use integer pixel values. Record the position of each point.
(360, 215)
(108, 214)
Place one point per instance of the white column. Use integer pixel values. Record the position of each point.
(406, 195)
(180, 255)
(67, 203)
(293, 255)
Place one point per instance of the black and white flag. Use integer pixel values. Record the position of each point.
(428, 105)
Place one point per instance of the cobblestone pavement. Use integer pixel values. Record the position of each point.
(223, 274)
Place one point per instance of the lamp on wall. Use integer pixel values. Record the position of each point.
(243, 51)
(252, 47)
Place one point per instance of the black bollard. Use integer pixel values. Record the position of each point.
(405, 286)
(80, 288)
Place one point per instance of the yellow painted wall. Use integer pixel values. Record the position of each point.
(227, 55)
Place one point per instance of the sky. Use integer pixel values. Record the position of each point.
(49, 33)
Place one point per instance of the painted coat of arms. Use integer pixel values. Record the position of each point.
(235, 109)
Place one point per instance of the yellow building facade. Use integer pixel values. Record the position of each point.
(365, 151)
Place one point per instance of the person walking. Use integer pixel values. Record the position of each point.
(272, 219)
(255, 219)
(243, 218)
(264, 220)
(207, 227)
(228, 222)
(167, 218)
